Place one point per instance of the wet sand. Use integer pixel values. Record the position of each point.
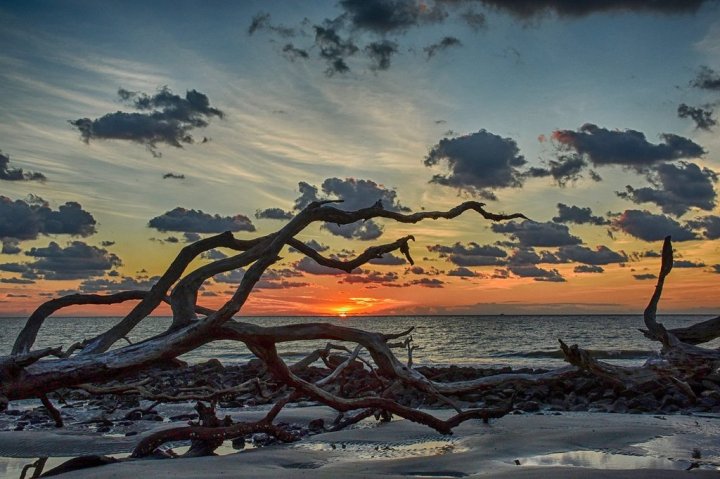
(595, 445)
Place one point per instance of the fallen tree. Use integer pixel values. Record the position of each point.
(91, 365)
(88, 364)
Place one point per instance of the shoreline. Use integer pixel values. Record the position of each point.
(624, 442)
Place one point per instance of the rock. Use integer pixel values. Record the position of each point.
(317, 425)
(528, 406)
(238, 443)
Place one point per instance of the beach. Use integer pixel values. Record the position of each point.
(550, 444)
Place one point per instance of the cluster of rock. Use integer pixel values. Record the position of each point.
(578, 391)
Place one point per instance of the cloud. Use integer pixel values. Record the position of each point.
(471, 255)
(356, 194)
(213, 255)
(435, 48)
(273, 214)
(683, 263)
(333, 49)
(531, 233)
(162, 118)
(525, 9)
(600, 256)
(10, 246)
(380, 53)
(578, 215)
(707, 79)
(386, 16)
(104, 285)
(462, 272)
(678, 188)
(709, 223)
(25, 220)
(651, 227)
(703, 117)
(233, 277)
(197, 221)
(474, 20)
(628, 148)
(292, 53)
(261, 21)
(191, 237)
(538, 274)
(173, 176)
(77, 260)
(588, 268)
(477, 162)
(17, 174)
(16, 281)
(427, 283)
(307, 265)
(644, 276)
(524, 256)
(368, 277)
(388, 259)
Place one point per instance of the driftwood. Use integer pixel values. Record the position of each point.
(681, 362)
(29, 373)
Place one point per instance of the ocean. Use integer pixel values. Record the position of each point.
(497, 341)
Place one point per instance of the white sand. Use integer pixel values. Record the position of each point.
(404, 449)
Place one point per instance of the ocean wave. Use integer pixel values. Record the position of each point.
(595, 353)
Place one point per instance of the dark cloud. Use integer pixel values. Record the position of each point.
(565, 169)
(334, 49)
(521, 256)
(710, 224)
(678, 188)
(173, 176)
(600, 256)
(307, 265)
(627, 148)
(292, 53)
(380, 53)
(375, 277)
(106, 243)
(427, 283)
(578, 215)
(197, 221)
(683, 263)
(644, 276)
(261, 21)
(266, 284)
(17, 174)
(356, 194)
(715, 268)
(703, 117)
(231, 277)
(477, 162)
(273, 214)
(104, 285)
(651, 227)
(25, 220)
(10, 246)
(471, 255)
(386, 16)
(531, 233)
(78, 260)
(538, 274)
(16, 281)
(707, 79)
(474, 20)
(588, 268)
(526, 9)
(435, 48)
(316, 245)
(388, 259)
(462, 272)
(163, 118)
(191, 237)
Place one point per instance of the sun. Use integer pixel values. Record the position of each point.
(342, 311)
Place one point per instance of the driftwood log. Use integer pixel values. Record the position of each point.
(89, 364)
(31, 373)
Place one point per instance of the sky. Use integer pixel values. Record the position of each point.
(130, 129)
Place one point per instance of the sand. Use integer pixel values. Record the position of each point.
(583, 445)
